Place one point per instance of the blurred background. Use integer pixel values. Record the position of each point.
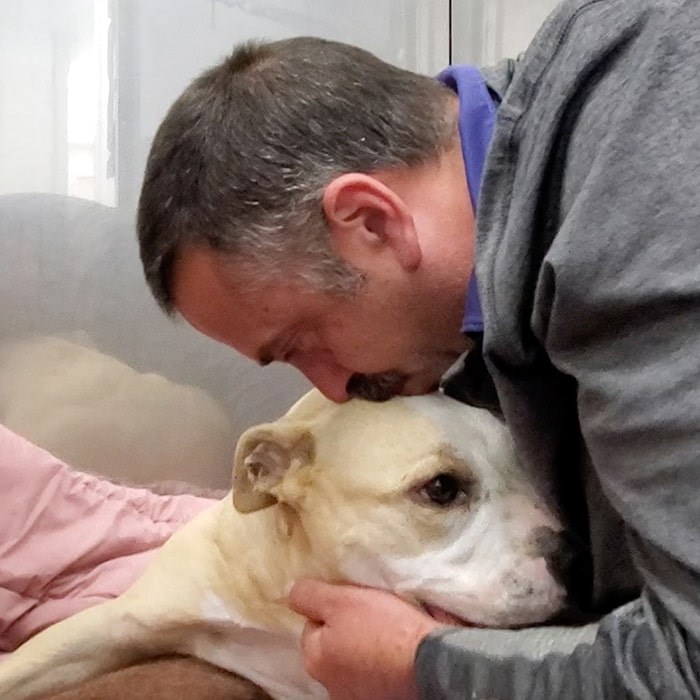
(83, 87)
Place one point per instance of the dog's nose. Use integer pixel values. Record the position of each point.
(569, 563)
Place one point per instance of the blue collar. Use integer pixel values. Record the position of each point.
(477, 117)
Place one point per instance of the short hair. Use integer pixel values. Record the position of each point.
(242, 158)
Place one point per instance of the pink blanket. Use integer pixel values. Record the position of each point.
(69, 540)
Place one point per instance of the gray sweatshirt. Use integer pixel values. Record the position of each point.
(588, 260)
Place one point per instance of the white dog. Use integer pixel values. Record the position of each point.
(420, 495)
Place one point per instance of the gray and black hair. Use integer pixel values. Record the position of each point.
(242, 158)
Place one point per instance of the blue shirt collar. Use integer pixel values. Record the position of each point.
(477, 117)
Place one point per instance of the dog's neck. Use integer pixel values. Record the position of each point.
(252, 562)
(259, 558)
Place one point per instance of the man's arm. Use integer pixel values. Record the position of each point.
(590, 277)
(625, 656)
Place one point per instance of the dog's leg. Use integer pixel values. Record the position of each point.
(157, 616)
(97, 640)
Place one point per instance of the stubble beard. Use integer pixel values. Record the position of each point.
(376, 387)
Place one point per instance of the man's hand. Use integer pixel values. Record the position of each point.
(360, 642)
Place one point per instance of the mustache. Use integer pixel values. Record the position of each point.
(376, 387)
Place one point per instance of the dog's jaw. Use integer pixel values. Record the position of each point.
(486, 581)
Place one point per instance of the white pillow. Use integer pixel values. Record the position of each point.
(98, 414)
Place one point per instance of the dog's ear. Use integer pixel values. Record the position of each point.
(264, 454)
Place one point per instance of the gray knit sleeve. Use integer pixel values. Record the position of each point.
(630, 654)
(588, 260)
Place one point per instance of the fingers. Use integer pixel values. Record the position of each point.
(311, 646)
(359, 642)
(313, 598)
(307, 598)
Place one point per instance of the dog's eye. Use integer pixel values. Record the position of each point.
(443, 490)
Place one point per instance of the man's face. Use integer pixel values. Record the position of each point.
(395, 336)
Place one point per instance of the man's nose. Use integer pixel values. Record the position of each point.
(328, 377)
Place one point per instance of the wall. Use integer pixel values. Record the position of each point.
(485, 31)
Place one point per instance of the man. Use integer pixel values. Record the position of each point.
(307, 203)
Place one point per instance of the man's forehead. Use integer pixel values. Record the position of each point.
(208, 298)
(197, 273)
(220, 298)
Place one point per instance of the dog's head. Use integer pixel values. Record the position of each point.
(419, 495)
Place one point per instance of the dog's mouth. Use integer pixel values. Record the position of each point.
(444, 617)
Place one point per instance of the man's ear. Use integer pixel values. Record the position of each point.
(366, 216)
(263, 456)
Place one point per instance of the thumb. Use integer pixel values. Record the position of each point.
(312, 598)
